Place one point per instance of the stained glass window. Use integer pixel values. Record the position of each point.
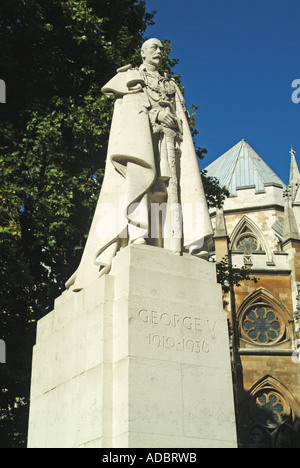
(247, 245)
(262, 325)
(268, 409)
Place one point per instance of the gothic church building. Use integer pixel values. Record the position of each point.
(259, 228)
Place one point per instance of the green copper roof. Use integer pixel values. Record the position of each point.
(242, 167)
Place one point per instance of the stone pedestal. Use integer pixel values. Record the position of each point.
(140, 358)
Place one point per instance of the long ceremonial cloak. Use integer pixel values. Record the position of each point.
(130, 172)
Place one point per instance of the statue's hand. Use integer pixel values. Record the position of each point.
(167, 119)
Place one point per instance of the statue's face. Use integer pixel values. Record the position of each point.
(152, 52)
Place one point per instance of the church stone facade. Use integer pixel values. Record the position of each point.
(258, 228)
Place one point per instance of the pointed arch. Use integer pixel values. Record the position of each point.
(246, 227)
(264, 320)
(263, 295)
(271, 415)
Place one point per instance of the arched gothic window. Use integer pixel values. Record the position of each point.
(247, 243)
(270, 420)
(262, 325)
(248, 239)
(264, 320)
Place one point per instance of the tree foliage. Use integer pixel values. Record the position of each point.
(229, 275)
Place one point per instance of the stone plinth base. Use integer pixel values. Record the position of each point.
(140, 358)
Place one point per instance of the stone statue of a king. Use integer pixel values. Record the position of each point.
(152, 191)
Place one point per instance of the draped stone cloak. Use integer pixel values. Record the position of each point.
(129, 173)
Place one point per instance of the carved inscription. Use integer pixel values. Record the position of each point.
(188, 324)
(168, 342)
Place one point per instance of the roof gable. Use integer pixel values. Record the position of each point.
(242, 167)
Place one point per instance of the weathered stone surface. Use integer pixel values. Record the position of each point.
(140, 358)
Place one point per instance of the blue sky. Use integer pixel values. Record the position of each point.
(238, 59)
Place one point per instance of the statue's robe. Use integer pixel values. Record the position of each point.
(129, 174)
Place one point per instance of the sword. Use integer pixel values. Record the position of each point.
(168, 155)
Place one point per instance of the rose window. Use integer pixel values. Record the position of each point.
(263, 326)
(247, 245)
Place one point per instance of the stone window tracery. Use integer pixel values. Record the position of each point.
(247, 244)
(269, 408)
(262, 325)
(264, 320)
(248, 239)
(270, 421)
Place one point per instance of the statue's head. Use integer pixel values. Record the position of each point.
(152, 52)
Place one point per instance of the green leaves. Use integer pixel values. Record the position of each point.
(229, 276)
